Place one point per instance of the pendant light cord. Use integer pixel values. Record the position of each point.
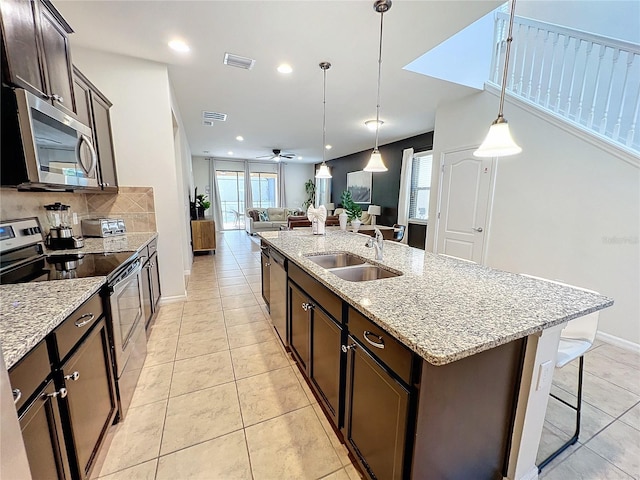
(379, 75)
(506, 59)
(324, 114)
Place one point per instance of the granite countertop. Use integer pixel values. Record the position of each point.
(441, 308)
(30, 311)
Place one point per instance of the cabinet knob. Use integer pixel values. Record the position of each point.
(267, 264)
(479, 229)
(74, 376)
(81, 323)
(62, 393)
(17, 395)
(57, 98)
(307, 306)
(346, 348)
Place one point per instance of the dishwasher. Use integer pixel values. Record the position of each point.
(278, 294)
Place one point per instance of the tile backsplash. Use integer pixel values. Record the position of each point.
(133, 204)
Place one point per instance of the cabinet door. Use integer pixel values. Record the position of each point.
(147, 301)
(155, 280)
(91, 400)
(375, 416)
(57, 60)
(82, 92)
(43, 439)
(20, 40)
(300, 331)
(326, 340)
(264, 272)
(104, 141)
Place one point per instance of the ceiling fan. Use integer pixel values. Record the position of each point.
(278, 155)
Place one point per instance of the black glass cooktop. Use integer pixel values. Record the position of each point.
(61, 267)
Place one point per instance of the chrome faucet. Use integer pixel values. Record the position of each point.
(378, 243)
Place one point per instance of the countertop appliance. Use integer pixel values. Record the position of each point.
(103, 227)
(43, 147)
(60, 235)
(278, 298)
(22, 259)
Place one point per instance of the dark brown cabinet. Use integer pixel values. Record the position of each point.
(376, 414)
(264, 273)
(150, 281)
(36, 51)
(300, 329)
(93, 110)
(90, 402)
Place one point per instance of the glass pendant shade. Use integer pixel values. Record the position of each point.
(375, 163)
(323, 171)
(498, 142)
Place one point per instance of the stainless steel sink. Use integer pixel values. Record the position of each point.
(363, 273)
(336, 260)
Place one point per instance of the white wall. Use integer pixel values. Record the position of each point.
(563, 209)
(144, 145)
(295, 177)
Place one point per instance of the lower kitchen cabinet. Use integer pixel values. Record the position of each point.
(150, 281)
(43, 436)
(90, 404)
(265, 273)
(376, 414)
(300, 331)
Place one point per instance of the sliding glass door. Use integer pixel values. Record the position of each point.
(231, 188)
(264, 189)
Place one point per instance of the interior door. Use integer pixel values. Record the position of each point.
(465, 200)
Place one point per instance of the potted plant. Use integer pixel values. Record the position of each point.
(202, 204)
(310, 188)
(352, 209)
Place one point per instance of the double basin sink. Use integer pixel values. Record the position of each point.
(350, 267)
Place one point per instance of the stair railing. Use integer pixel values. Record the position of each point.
(587, 79)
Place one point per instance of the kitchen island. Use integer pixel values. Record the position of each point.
(471, 397)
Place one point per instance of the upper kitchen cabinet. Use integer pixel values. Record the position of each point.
(93, 110)
(36, 51)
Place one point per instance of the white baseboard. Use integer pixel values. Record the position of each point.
(174, 299)
(618, 342)
(187, 273)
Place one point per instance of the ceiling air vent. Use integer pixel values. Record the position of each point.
(208, 118)
(238, 61)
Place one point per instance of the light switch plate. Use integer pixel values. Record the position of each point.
(545, 375)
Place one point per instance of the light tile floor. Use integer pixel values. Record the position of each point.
(219, 398)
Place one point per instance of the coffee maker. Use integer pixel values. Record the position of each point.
(60, 235)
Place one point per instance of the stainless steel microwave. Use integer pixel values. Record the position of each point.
(48, 148)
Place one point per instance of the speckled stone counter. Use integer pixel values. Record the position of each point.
(441, 308)
(130, 242)
(30, 311)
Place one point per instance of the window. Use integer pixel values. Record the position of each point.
(264, 189)
(420, 186)
(231, 189)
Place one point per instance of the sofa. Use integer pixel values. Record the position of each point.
(267, 219)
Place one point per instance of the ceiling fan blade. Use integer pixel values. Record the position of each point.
(268, 157)
(287, 156)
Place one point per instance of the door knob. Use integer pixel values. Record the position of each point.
(479, 229)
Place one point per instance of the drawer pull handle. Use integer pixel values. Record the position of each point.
(74, 376)
(62, 392)
(346, 348)
(89, 318)
(17, 395)
(307, 306)
(378, 344)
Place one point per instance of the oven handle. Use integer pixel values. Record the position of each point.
(132, 271)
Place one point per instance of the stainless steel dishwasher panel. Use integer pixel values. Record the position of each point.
(278, 295)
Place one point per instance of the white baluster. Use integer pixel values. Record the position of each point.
(632, 130)
(533, 62)
(603, 49)
(603, 123)
(498, 42)
(524, 58)
(551, 65)
(578, 43)
(544, 51)
(616, 129)
(584, 82)
(567, 39)
(514, 60)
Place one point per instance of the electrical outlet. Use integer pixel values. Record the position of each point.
(545, 375)
(75, 218)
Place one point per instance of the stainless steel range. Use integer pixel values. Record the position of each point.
(23, 259)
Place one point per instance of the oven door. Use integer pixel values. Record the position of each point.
(57, 148)
(127, 314)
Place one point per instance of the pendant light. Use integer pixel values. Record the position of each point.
(324, 170)
(375, 162)
(498, 142)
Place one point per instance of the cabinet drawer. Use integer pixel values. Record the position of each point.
(77, 325)
(322, 295)
(395, 355)
(30, 372)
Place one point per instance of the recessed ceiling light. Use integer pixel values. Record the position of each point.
(179, 46)
(285, 68)
(328, 147)
(240, 138)
(229, 153)
(371, 124)
(299, 158)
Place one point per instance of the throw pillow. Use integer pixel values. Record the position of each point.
(264, 216)
(254, 215)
